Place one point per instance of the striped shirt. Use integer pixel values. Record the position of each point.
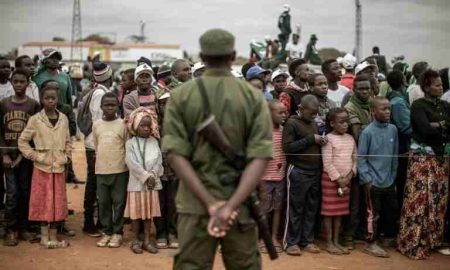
(339, 156)
(276, 167)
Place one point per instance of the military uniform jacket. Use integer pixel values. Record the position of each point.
(243, 114)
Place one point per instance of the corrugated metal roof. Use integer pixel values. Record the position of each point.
(95, 43)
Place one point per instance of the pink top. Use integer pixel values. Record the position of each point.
(339, 156)
(275, 168)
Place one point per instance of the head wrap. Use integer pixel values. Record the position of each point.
(136, 117)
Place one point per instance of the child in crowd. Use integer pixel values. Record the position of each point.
(127, 84)
(110, 135)
(359, 114)
(15, 111)
(377, 167)
(339, 167)
(6, 89)
(49, 131)
(301, 143)
(26, 63)
(319, 88)
(166, 229)
(272, 189)
(144, 160)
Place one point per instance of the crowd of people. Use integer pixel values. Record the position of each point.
(360, 152)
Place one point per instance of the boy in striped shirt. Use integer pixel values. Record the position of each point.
(273, 187)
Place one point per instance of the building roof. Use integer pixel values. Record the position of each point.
(117, 46)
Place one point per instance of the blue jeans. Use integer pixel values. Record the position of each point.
(18, 183)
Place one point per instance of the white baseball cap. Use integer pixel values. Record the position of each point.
(362, 67)
(197, 66)
(286, 7)
(279, 72)
(348, 61)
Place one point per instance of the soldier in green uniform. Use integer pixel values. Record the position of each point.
(211, 191)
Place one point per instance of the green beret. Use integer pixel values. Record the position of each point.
(217, 42)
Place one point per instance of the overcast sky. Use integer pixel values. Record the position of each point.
(417, 29)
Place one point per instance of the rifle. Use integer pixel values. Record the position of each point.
(211, 131)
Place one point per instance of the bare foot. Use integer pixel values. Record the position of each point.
(333, 250)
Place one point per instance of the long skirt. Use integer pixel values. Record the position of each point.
(142, 205)
(333, 204)
(48, 199)
(424, 206)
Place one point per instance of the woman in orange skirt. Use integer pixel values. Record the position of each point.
(49, 130)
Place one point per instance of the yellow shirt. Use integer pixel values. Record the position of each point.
(109, 142)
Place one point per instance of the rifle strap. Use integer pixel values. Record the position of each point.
(206, 106)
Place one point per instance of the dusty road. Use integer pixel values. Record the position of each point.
(83, 254)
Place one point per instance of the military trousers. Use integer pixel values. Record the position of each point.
(198, 249)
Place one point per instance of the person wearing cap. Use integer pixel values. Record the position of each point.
(210, 191)
(294, 48)
(181, 72)
(298, 88)
(348, 63)
(49, 70)
(284, 24)
(144, 95)
(368, 67)
(198, 69)
(312, 54)
(102, 73)
(279, 81)
(332, 72)
(163, 76)
(256, 77)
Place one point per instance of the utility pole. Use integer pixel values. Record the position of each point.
(76, 46)
(358, 31)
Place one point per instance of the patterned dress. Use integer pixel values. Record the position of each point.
(425, 203)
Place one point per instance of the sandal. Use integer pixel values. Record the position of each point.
(311, 248)
(136, 247)
(150, 248)
(57, 244)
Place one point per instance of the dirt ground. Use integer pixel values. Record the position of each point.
(83, 254)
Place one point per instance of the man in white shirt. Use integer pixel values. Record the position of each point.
(332, 72)
(294, 48)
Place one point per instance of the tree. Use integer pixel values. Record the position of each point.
(100, 39)
(12, 54)
(330, 53)
(58, 39)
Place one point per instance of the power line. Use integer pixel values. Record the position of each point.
(76, 46)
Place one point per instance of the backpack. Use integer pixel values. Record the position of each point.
(84, 115)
